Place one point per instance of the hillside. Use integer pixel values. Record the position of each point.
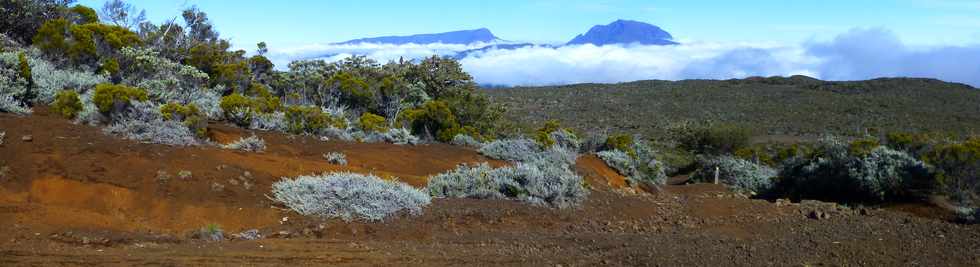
(453, 37)
(796, 106)
(75, 196)
(624, 32)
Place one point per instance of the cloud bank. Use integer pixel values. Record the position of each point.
(855, 55)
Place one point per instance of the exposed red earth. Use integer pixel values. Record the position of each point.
(75, 196)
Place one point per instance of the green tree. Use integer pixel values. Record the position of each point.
(21, 19)
(84, 15)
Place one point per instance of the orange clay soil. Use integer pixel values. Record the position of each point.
(75, 196)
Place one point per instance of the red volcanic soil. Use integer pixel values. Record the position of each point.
(75, 196)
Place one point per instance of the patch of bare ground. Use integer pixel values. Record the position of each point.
(74, 196)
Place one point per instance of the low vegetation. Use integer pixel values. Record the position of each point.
(348, 196)
(777, 106)
(336, 158)
(248, 144)
(742, 175)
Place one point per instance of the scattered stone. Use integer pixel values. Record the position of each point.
(252, 234)
(185, 174)
(211, 233)
(3, 172)
(281, 234)
(819, 215)
(216, 187)
(79, 239)
(27, 138)
(163, 176)
(864, 212)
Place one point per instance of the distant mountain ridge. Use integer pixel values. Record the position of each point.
(617, 32)
(624, 32)
(454, 37)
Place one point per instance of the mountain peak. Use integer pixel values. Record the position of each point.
(453, 37)
(624, 31)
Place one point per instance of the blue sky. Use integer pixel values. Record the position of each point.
(297, 22)
(826, 39)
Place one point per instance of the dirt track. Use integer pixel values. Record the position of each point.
(73, 196)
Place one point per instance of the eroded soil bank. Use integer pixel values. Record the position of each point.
(74, 196)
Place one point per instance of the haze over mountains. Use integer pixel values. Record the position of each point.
(626, 50)
(619, 32)
(454, 37)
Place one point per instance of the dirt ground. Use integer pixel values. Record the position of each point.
(74, 196)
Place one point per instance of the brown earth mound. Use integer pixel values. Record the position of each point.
(74, 196)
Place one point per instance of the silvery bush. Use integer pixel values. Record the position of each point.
(275, 121)
(833, 173)
(521, 149)
(336, 158)
(142, 122)
(48, 79)
(248, 144)
(465, 140)
(541, 178)
(348, 196)
(565, 138)
(9, 104)
(740, 174)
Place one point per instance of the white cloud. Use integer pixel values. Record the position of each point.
(854, 55)
(380, 52)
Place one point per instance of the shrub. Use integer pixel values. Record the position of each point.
(832, 173)
(49, 80)
(348, 196)
(565, 138)
(238, 109)
(400, 136)
(248, 144)
(636, 170)
(619, 161)
(536, 183)
(265, 102)
(164, 79)
(67, 104)
(142, 122)
(968, 215)
(10, 104)
(336, 158)
(24, 69)
(740, 174)
(862, 147)
(432, 119)
(274, 121)
(677, 160)
(957, 168)
(210, 232)
(595, 142)
(621, 142)
(465, 140)
(543, 134)
(208, 101)
(107, 96)
(511, 149)
(773, 153)
(311, 119)
(915, 144)
(714, 139)
(85, 14)
(641, 165)
(189, 114)
(372, 123)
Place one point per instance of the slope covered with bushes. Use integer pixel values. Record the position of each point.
(775, 106)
